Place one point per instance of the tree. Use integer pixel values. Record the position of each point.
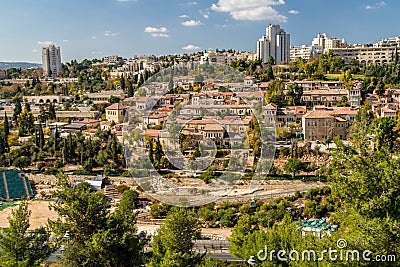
(123, 83)
(360, 128)
(21, 247)
(384, 131)
(173, 244)
(25, 123)
(293, 166)
(52, 112)
(158, 153)
(131, 90)
(28, 106)
(22, 162)
(347, 79)
(88, 165)
(295, 91)
(141, 80)
(6, 129)
(40, 136)
(17, 109)
(367, 187)
(380, 88)
(275, 93)
(283, 236)
(97, 237)
(128, 201)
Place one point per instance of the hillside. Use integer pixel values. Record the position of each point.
(26, 65)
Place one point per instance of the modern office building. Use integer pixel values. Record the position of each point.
(51, 61)
(276, 43)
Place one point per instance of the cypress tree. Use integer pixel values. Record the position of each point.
(17, 109)
(151, 151)
(114, 148)
(123, 84)
(41, 136)
(52, 112)
(27, 106)
(141, 80)
(130, 88)
(6, 128)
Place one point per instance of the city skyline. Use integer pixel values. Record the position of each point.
(94, 29)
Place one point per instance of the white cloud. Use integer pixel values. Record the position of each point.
(262, 13)
(192, 3)
(110, 33)
(293, 12)
(205, 13)
(97, 53)
(191, 48)
(154, 29)
(45, 43)
(183, 16)
(93, 37)
(159, 35)
(65, 41)
(34, 51)
(192, 23)
(250, 9)
(376, 5)
(157, 32)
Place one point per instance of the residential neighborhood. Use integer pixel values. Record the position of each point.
(201, 156)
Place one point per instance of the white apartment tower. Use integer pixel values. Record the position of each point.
(51, 61)
(276, 43)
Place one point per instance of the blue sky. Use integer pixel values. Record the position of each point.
(97, 28)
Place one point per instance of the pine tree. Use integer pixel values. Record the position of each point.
(173, 245)
(21, 247)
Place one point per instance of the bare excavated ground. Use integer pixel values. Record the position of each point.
(40, 214)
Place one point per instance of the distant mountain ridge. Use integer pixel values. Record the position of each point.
(25, 65)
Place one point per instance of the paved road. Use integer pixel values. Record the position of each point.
(212, 248)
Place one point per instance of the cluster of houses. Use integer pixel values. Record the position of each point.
(218, 110)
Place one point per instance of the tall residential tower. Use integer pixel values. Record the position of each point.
(51, 61)
(276, 43)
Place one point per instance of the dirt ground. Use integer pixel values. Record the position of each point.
(40, 213)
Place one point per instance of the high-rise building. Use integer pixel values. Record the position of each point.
(275, 44)
(51, 61)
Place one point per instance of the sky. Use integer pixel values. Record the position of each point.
(97, 28)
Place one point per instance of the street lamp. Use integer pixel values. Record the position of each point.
(66, 237)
